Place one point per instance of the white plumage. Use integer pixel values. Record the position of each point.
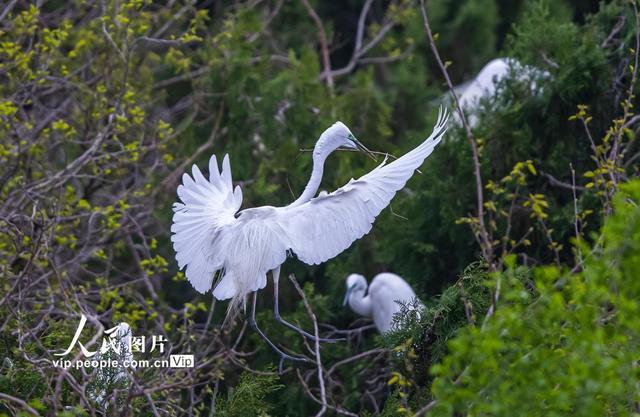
(206, 210)
(119, 349)
(382, 300)
(210, 235)
(485, 84)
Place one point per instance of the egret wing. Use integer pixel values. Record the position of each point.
(207, 208)
(327, 225)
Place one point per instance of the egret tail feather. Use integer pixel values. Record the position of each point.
(237, 305)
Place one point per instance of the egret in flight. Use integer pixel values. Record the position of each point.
(212, 237)
(383, 299)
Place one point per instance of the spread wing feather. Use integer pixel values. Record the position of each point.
(327, 225)
(207, 208)
(208, 238)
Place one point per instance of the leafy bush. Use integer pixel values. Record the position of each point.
(568, 348)
(104, 105)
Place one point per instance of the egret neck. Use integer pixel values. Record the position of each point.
(310, 191)
(359, 303)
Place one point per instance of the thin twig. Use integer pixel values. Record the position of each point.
(112, 42)
(323, 393)
(385, 154)
(616, 29)
(20, 402)
(359, 356)
(426, 409)
(8, 9)
(487, 245)
(576, 221)
(324, 44)
(314, 398)
(557, 183)
(494, 301)
(174, 177)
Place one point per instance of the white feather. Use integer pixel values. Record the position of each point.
(207, 208)
(382, 299)
(208, 238)
(329, 224)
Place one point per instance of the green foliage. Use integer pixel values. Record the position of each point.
(464, 26)
(249, 397)
(421, 340)
(568, 348)
(104, 106)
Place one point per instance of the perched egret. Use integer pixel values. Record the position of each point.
(486, 82)
(212, 237)
(381, 301)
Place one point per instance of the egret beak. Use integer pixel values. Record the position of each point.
(347, 294)
(363, 148)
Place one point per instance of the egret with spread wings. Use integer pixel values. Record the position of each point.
(212, 237)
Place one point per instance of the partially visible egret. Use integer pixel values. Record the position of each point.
(120, 352)
(382, 300)
(212, 237)
(486, 82)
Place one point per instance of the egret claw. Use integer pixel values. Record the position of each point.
(285, 356)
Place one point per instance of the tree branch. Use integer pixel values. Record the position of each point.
(323, 393)
(486, 246)
(324, 44)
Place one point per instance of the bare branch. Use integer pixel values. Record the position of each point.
(173, 178)
(8, 9)
(486, 246)
(323, 393)
(324, 44)
(557, 183)
(23, 405)
(360, 49)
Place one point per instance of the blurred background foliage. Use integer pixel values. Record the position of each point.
(104, 104)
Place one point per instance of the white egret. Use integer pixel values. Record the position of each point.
(212, 237)
(381, 301)
(485, 84)
(119, 350)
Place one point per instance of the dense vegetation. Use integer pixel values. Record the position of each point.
(521, 235)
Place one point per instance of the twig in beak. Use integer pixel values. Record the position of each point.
(386, 154)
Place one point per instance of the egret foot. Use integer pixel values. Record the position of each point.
(275, 273)
(302, 332)
(283, 355)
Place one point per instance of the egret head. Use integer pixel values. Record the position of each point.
(339, 136)
(355, 283)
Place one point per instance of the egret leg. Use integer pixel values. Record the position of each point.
(276, 312)
(280, 352)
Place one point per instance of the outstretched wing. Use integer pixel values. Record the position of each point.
(327, 225)
(207, 208)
